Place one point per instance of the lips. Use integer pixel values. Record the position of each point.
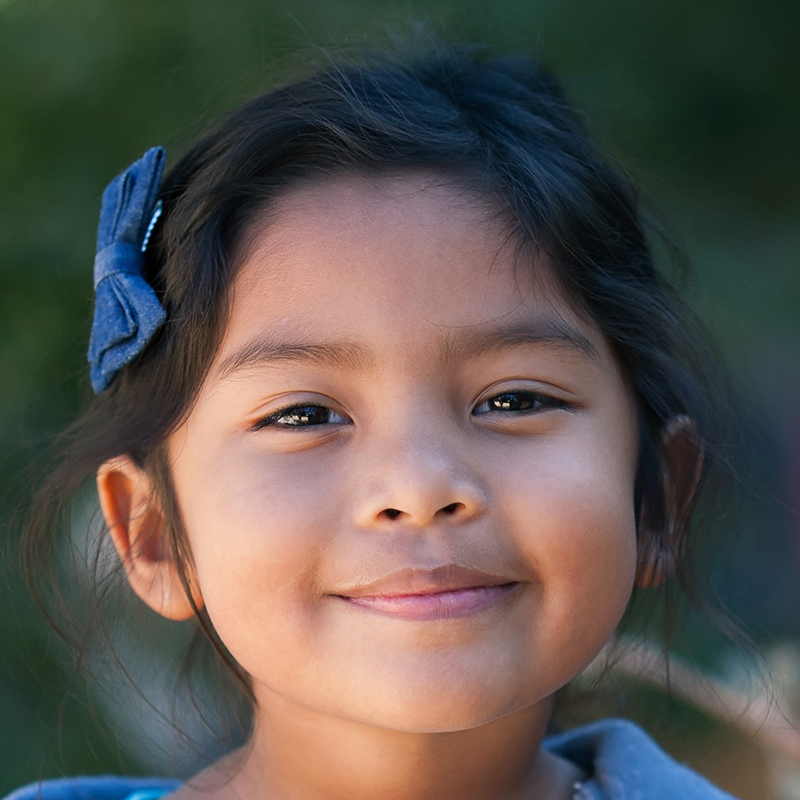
(445, 592)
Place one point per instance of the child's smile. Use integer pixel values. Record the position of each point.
(408, 480)
(443, 592)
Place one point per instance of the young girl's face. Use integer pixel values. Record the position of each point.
(407, 482)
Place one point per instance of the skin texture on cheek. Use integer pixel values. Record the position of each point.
(283, 522)
(574, 507)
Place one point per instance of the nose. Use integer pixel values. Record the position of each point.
(420, 479)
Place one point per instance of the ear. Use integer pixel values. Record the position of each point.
(681, 466)
(137, 527)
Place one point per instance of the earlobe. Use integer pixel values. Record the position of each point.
(136, 525)
(681, 467)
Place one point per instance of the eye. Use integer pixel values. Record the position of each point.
(306, 415)
(519, 403)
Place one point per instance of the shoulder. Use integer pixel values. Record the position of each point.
(622, 760)
(97, 787)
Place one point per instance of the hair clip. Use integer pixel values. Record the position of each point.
(126, 311)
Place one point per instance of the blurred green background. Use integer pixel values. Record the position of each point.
(700, 100)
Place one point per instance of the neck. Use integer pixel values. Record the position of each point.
(299, 753)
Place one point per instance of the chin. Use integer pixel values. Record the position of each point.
(449, 703)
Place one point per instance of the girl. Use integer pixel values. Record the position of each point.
(392, 402)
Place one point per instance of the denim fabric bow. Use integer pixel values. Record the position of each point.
(127, 312)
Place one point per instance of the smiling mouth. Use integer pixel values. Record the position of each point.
(437, 605)
(445, 592)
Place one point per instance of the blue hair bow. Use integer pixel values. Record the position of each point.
(126, 312)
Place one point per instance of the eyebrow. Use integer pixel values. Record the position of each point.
(549, 331)
(461, 345)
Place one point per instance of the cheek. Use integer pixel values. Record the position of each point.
(258, 528)
(573, 510)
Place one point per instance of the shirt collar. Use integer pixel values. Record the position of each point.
(624, 763)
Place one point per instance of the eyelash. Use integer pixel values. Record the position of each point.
(541, 401)
(537, 401)
(271, 421)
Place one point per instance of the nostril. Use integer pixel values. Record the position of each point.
(394, 513)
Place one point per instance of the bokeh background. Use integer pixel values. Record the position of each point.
(699, 100)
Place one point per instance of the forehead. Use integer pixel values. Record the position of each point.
(401, 261)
